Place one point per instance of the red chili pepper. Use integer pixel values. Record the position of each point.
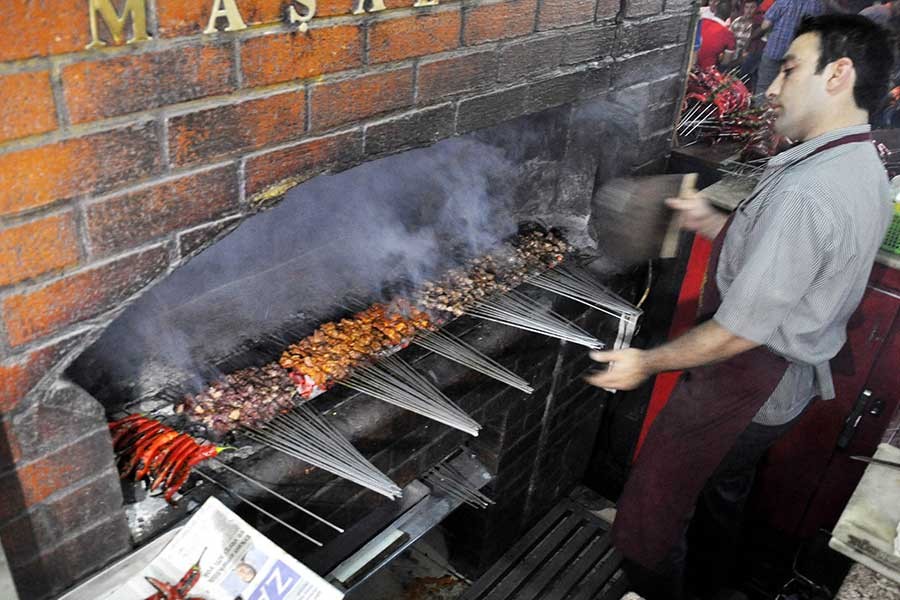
(120, 431)
(158, 459)
(191, 577)
(164, 591)
(146, 456)
(198, 456)
(136, 433)
(125, 420)
(135, 453)
(174, 458)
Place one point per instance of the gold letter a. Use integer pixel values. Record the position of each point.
(229, 10)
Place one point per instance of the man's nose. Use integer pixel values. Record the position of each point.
(774, 88)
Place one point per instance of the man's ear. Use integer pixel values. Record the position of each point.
(841, 76)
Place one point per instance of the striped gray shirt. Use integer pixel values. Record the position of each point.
(796, 259)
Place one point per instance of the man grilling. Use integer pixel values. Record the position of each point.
(789, 266)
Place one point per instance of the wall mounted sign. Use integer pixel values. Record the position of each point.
(299, 12)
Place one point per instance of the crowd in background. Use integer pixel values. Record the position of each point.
(751, 36)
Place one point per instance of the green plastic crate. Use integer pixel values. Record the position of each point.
(892, 239)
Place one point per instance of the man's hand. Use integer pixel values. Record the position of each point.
(627, 369)
(697, 214)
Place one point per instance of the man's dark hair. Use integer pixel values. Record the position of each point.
(723, 9)
(867, 44)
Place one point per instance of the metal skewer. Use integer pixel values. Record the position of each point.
(517, 310)
(454, 484)
(277, 495)
(393, 380)
(578, 285)
(453, 348)
(304, 434)
(314, 457)
(259, 508)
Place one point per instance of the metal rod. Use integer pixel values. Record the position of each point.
(451, 347)
(277, 495)
(260, 509)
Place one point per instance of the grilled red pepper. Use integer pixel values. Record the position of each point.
(159, 458)
(145, 456)
(134, 434)
(133, 455)
(120, 431)
(125, 420)
(183, 448)
(195, 458)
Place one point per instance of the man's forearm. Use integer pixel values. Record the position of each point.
(630, 367)
(712, 225)
(705, 344)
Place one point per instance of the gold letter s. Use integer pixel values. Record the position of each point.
(304, 19)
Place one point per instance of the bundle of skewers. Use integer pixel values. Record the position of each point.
(453, 484)
(717, 107)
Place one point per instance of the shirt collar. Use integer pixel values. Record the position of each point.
(803, 150)
(713, 17)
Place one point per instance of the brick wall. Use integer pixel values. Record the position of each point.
(120, 162)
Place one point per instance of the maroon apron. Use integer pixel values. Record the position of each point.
(711, 406)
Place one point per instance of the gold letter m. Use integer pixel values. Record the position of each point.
(136, 9)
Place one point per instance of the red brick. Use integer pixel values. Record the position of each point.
(343, 102)
(330, 8)
(26, 105)
(441, 78)
(190, 17)
(305, 159)
(132, 219)
(38, 28)
(38, 247)
(79, 509)
(417, 35)
(562, 13)
(41, 311)
(39, 479)
(60, 171)
(205, 135)
(19, 374)
(107, 88)
(499, 21)
(282, 57)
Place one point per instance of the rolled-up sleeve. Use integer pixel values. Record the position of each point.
(789, 255)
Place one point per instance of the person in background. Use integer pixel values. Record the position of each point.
(788, 268)
(884, 14)
(753, 53)
(742, 27)
(780, 23)
(717, 46)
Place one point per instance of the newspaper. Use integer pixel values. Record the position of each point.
(230, 560)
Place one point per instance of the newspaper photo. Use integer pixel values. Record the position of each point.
(218, 556)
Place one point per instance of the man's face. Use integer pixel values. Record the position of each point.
(798, 94)
(749, 9)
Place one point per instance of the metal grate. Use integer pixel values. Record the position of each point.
(566, 556)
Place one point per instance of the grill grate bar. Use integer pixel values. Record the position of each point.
(566, 556)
